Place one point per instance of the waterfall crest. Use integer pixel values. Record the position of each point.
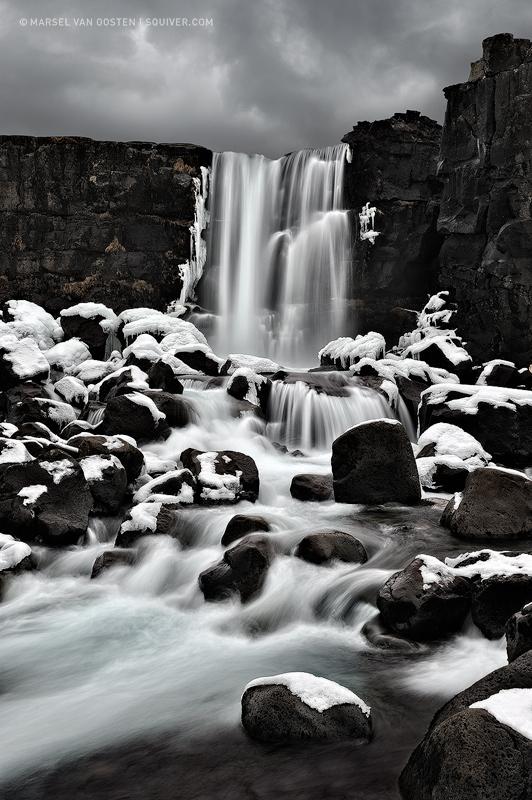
(278, 253)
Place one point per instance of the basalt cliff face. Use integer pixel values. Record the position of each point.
(393, 164)
(101, 221)
(485, 215)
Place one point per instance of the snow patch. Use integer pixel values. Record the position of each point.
(31, 494)
(12, 552)
(318, 693)
(511, 707)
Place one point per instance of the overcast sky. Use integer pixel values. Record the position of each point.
(266, 76)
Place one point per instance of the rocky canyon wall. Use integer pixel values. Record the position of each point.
(485, 216)
(105, 221)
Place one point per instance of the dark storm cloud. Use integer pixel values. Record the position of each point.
(266, 76)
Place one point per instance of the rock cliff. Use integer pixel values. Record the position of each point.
(485, 215)
(86, 220)
(393, 165)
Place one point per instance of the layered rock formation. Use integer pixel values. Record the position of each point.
(100, 221)
(486, 205)
(393, 164)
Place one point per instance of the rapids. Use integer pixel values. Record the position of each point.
(137, 653)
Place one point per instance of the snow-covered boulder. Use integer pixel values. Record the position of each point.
(93, 370)
(149, 518)
(67, 355)
(478, 745)
(342, 353)
(13, 451)
(242, 570)
(143, 351)
(244, 384)
(28, 320)
(262, 366)
(226, 476)
(15, 556)
(299, 706)
(138, 321)
(72, 391)
(199, 357)
(410, 368)
(21, 360)
(122, 381)
(446, 454)
(53, 413)
(495, 504)
(177, 486)
(324, 546)
(373, 463)
(499, 373)
(310, 486)
(425, 600)
(123, 447)
(90, 322)
(46, 500)
(519, 633)
(136, 415)
(242, 524)
(499, 418)
(107, 480)
(443, 351)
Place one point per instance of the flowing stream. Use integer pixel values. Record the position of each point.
(86, 665)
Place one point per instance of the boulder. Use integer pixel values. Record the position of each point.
(123, 447)
(242, 570)
(442, 473)
(53, 413)
(499, 418)
(424, 601)
(242, 524)
(113, 558)
(226, 476)
(90, 322)
(21, 360)
(244, 384)
(107, 480)
(325, 546)
(46, 500)
(468, 753)
(496, 599)
(178, 484)
(379, 636)
(148, 519)
(72, 391)
(122, 381)
(443, 351)
(312, 487)
(519, 633)
(162, 376)
(495, 504)
(299, 706)
(135, 415)
(499, 373)
(373, 463)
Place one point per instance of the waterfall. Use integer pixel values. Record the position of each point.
(278, 253)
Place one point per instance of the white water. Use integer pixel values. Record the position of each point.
(279, 263)
(87, 663)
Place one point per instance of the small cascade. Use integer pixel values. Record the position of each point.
(302, 417)
(278, 273)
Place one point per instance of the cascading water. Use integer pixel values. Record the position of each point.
(278, 253)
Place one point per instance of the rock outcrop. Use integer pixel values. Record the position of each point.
(393, 165)
(485, 211)
(103, 221)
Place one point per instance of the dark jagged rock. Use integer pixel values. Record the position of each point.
(240, 525)
(129, 414)
(156, 519)
(496, 504)
(373, 463)
(422, 611)
(53, 413)
(46, 500)
(86, 328)
(161, 376)
(100, 221)
(242, 570)
(113, 558)
(394, 165)
(485, 209)
(130, 456)
(496, 599)
(312, 487)
(107, 481)
(323, 546)
(519, 633)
